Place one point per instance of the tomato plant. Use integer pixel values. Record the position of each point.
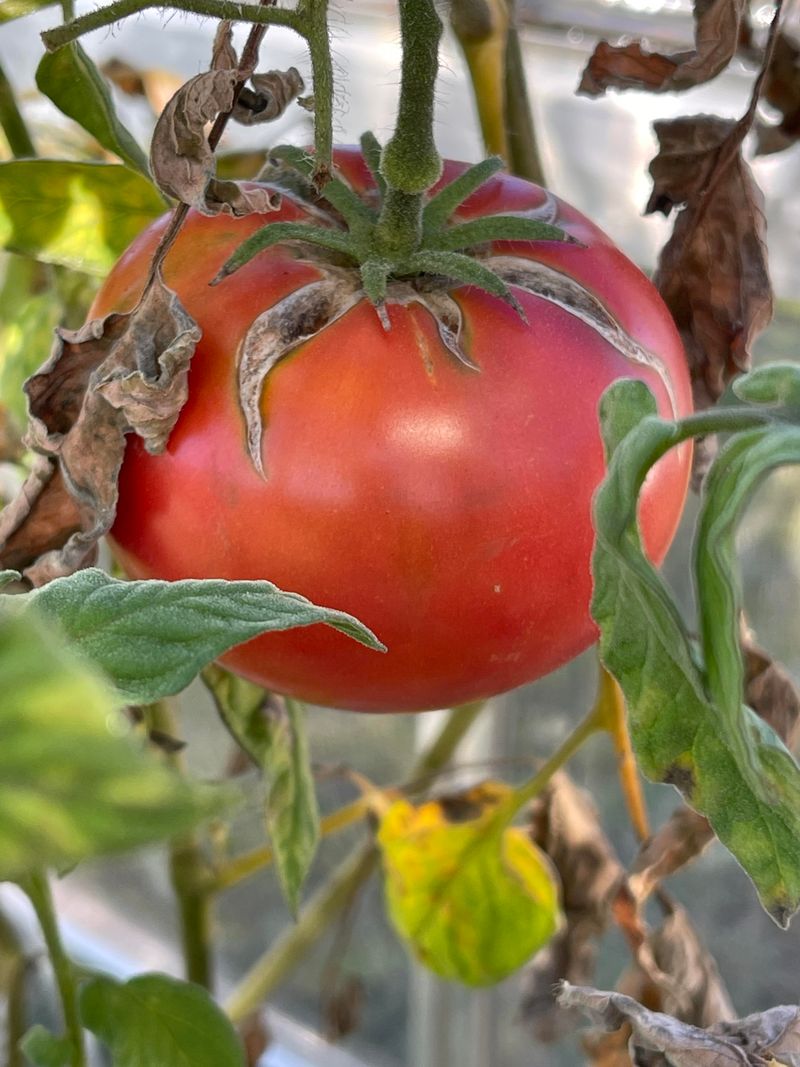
(446, 506)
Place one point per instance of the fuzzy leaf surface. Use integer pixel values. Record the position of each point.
(152, 637)
(72, 784)
(81, 215)
(154, 1019)
(732, 768)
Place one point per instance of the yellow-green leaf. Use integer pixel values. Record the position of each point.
(82, 215)
(474, 899)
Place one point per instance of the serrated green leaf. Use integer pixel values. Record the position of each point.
(74, 84)
(157, 1021)
(44, 1049)
(475, 899)
(272, 732)
(730, 766)
(151, 638)
(16, 9)
(72, 783)
(81, 215)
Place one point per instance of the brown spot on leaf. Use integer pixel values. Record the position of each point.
(629, 66)
(121, 374)
(712, 272)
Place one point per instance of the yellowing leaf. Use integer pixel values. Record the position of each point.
(474, 899)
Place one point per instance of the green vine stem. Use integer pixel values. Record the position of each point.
(410, 162)
(12, 122)
(13, 972)
(312, 16)
(215, 9)
(524, 158)
(189, 872)
(268, 972)
(37, 888)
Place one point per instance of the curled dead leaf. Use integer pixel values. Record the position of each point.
(712, 272)
(272, 93)
(565, 824)
(629, 66)
(770, 691)
(121, 374)
(750, 1042)
(682, 838)
(782, 91)
(181, 158)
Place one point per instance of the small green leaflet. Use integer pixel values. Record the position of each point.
(72, 783)
(688, 722)
(16, 9)
(151, 638)
(44, 1049)
(74, 84)
(81, 215)
(272, 732)
(157, 1021)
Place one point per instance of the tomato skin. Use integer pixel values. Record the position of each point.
(449, 510)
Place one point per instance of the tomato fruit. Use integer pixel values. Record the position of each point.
(448, 509)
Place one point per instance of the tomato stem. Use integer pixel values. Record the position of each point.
(410, 163)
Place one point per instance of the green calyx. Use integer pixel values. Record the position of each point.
(403, 235)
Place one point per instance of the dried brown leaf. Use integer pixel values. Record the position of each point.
(782, 91)
(751, 1042)
(181, 159)
(629, 66)
(255, 1037)
(121, 374)
(682, 838)
(771, 692)
(713, 271)
(272, 93)
(698, 995)
(565, 825)
(343, 1008)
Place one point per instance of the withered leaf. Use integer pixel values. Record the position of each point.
(782, 91)
(750, 1042)
(565, 824)
(272, 93)
(629, 66)
(682, 838)
(770, 691)
(698, 995)
(121, 374)
(712, 272)
(181, 159)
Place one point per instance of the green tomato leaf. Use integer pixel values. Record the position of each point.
(74, 84)
(151, 638)
(44, 1049)
(473, 899)
(16, 9)
(81, 215)
(728, 763)
(156, 1020)
(272, 732)
(72, 783)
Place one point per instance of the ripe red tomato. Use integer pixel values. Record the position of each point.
(447, 509)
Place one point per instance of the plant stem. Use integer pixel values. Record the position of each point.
(268, 972)
(313, 17)
(188, 869)
(242, 867)
(611, 702)
(13, 972)
(12, 122)
(481, 27)
(215, 9)
(523, 149)
(37, 888)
